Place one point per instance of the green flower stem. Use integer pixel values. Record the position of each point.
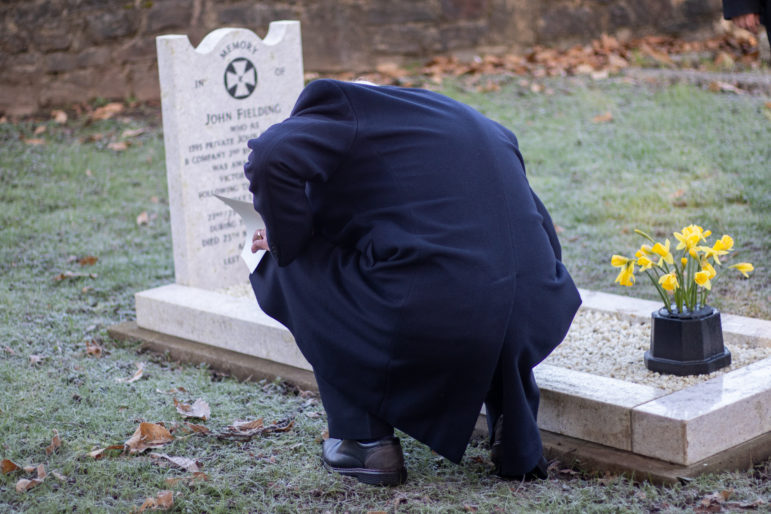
(662, 293)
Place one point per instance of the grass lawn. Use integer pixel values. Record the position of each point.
(670, 156)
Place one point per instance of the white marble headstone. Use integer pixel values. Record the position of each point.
(214, 99)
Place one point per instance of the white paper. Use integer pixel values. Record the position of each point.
(252, 221)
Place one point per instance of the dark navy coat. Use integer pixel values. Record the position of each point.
(407, 253)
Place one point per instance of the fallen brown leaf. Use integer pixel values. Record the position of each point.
(603, 118)
(24, 485)
(88, 260)
(8, 466)
(164, 500)
(195, 476)
(66, 275)
(107, 111)
(8, 349)
(132, 133)
(190, 465)
(143, 218)
(35, 359)
(137, 375)
(146, 436)
(724, 87)
(200, 409)
(56, 443)
(99, 453)
(39, 130)
(58, 476)
(118, 146)
(198, 429)
(94, 348)
(245, 430)
(35, 141)
(59, 116)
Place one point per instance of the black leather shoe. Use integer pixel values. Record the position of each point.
(539, 472)
(379, 462)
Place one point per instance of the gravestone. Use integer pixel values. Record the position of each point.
(215, 98)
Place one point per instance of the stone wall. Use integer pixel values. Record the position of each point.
(55, 52)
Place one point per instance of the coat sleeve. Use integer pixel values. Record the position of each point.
(308, 146)
(734, 8)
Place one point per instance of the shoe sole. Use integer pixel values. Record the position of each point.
(372, 477)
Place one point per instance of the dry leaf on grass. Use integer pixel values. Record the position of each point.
(132, 133)
(107, 111)
(192, 478)
(94, 348)
(8, 349)
(34, 141)
(69, 275)
(88, 260)
(58, 476)
(8, 466)
(137, 375)
(200, 409)
(143, 218)
(118, 146)
(99, 453)
(190, 465)
(147, 436)
(56, 443)
(59, 116)
(35, 359)
(164, 500)
(197, 429)
(724, 87)
(603, 118)
(24, 485)
(39, 130)
(245, 430)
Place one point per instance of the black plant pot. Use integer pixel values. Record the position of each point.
(687, 344)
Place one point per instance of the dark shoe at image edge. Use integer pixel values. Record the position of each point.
(379, 462)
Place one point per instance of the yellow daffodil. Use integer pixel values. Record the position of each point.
(702, 278)
(644, 262)
(644, 251)
(618, 261)
(706, 266)
(663, 251)
(689, 238)
(669, 282)
(721, 247)
(626, 275)
(724, 243)
(744, 268)
(686, 286)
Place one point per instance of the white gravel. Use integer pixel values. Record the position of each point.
(610, 345)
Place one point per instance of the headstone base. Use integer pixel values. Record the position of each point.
(694, 425)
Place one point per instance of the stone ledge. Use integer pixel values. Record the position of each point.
(592, 457)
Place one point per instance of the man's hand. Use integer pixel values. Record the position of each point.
(260, 240)
(749, 22)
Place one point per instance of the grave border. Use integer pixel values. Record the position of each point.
(174, 316)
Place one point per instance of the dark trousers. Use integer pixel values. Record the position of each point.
(348, 421)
